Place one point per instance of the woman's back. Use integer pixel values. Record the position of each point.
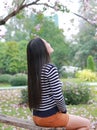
(51, 88)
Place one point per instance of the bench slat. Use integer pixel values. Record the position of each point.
(23, 123)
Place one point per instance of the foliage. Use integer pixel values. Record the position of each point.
(22, 66)
(41, 26)
(48, 30)
(21, 31)
(90, 63)
(10, 58)
(86, 45)
(24, 96)
(76, 93)
(2, 55)
(19, 80)
(5, 78)
(86, 37)
(13, 57)
(86, 75)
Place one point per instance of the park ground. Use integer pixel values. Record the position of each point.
(10, 105)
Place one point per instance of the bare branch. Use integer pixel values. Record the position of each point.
(52, 7)
(93, 24)
(22, 2)
(22, 6)
(15, 12)
(36, 2)
(3, 21)
(32, 3)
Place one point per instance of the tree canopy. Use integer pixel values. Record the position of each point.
(13, 51)
(29, 22)
(86, 39)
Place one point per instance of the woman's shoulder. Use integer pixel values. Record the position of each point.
(49, 67)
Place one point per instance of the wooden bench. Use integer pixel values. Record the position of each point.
(27, 124)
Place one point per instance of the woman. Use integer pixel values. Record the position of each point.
(45, 96)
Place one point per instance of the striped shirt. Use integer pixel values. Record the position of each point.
(52, 96)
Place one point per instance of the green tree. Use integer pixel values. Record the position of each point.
(22, 64)
(87, 45)
(10, 60)
(13, 57)
(46, 28)
(2, 54)
(41, 26)
(86, 39)
(90, 63)
(19, 29)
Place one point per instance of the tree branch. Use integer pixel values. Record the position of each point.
(22, 2)
(22, 6)
(15, 12)
(93, 24)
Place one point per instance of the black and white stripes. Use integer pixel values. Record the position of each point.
(51, 89)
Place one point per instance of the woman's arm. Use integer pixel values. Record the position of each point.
(56, 88)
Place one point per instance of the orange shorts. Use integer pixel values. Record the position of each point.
(56, 120)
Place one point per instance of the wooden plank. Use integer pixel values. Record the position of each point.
(27, 124)
(16, 121)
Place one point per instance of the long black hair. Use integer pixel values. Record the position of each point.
(37, 56)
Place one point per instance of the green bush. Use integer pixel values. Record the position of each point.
(76, 93)
(24, 96)
(19, 80)
(5, 78)
(91, 63)
(86, 75)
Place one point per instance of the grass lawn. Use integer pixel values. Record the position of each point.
(10, 99)
(4, 85)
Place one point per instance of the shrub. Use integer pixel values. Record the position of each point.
(5, 78)
(76, 93)
(90, 63)
(86, 75)
(24, 96)
(19, 80)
